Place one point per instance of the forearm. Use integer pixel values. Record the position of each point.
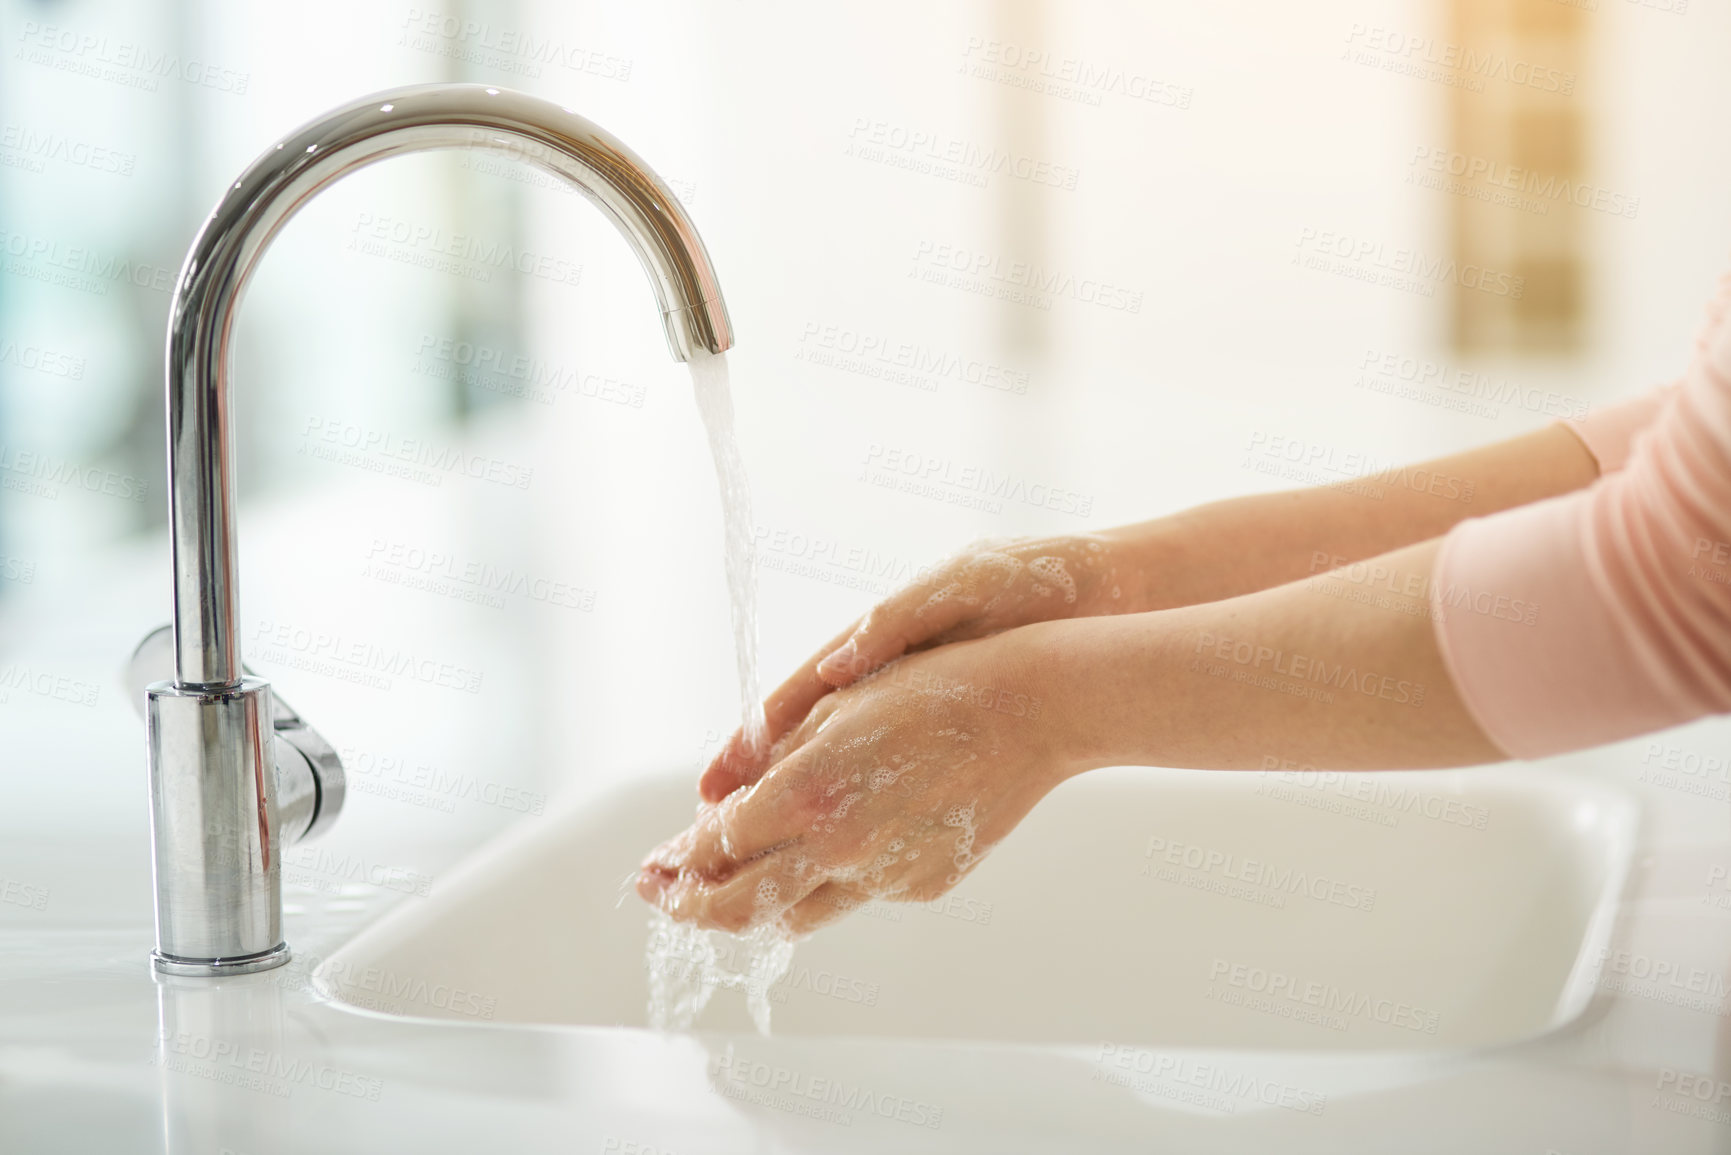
(1244, 544)
(1297, 674)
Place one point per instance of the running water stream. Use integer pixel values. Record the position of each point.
(686, 965)
(715, 403)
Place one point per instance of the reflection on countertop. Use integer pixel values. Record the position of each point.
(96, 1053)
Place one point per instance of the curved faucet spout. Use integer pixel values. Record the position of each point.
(254, 210)
(235, 775)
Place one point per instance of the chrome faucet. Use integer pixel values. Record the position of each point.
(235, 776)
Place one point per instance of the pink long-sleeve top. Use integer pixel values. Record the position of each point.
(1606, 612)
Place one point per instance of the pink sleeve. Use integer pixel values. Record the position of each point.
(1609, 431)
(1605, 613)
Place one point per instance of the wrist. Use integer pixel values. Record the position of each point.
(1160, 564)
(1084, 689)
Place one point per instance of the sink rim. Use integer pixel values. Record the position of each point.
(1579, 1001)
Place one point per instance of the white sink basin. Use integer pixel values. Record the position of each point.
(1413, 912)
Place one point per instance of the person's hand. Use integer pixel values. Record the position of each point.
(893, 788)
(989, 587)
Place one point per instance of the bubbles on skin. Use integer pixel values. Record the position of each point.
(1051, 572)
(961, 818)
(987, 579)
(759, 957)
(982, 580)
(882, 778)
(920, 822)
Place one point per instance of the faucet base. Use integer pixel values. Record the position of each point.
(215, 831)
(276, 956)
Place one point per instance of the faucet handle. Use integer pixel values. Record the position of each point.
(311, 783)
(152, 661)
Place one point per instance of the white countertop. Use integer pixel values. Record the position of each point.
(99, 1054)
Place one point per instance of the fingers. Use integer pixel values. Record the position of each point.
(910, 618)
(740, 828)
(759, 893)
(822, 906)
(739, 764)
(898, 624)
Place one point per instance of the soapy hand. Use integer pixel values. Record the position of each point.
(989, 587)
(891, 789)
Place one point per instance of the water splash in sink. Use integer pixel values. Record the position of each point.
(686, 967)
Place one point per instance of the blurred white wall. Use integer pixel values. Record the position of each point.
(830, 154)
